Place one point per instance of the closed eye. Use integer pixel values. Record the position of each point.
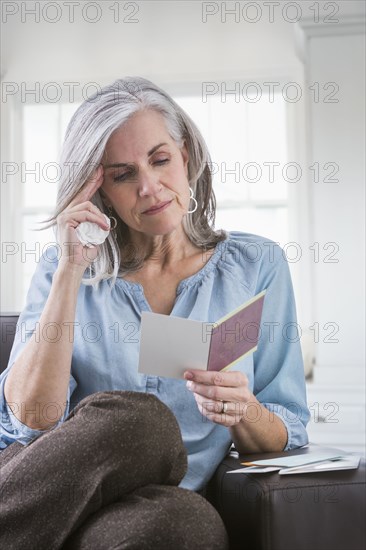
(124, 176)
(162, 161)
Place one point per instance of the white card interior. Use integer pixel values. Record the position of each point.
(163, 346)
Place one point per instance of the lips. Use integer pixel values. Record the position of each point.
(157, 207)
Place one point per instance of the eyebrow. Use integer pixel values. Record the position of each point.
(121, 164)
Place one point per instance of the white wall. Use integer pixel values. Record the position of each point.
(337, 134)
(170, 42)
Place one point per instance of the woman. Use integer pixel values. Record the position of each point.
(137, 157)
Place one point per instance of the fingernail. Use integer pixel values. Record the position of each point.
(188, 375)
(189, 385)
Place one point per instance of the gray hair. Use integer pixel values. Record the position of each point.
(86, 137)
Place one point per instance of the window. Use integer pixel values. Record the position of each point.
(44, 127)
(248, 146)
(244, 139)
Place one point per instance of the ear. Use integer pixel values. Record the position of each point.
(104, 198)
(185, 155)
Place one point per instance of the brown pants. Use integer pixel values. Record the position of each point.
(105, 479)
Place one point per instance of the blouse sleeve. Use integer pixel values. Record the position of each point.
(279, 379)
(11, 429)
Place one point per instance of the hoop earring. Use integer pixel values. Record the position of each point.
(192, 197)
(112, 219)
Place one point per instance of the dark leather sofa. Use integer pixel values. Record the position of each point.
(320, 511)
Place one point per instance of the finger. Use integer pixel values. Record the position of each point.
(87, 205)
(90, 187)
(216, 393)
(223, 419)
(217, 378)
(212, 406)
(76, 218)
(208, 404)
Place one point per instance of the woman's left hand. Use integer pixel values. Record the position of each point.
(223, 397)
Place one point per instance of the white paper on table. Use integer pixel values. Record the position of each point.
(345, 463)
(299, 460)
(255, 470)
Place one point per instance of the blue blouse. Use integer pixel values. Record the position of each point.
(106, 345)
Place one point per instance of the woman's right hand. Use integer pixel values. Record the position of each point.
(80, 209)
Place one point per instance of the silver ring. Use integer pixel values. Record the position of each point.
(224, 407)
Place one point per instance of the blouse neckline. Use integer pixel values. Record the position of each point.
(191, 279)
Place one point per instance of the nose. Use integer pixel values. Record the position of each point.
(149, 185)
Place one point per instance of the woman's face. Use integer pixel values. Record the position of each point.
(144, 168)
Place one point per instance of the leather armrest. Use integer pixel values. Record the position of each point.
(8, 322)
(317, 511)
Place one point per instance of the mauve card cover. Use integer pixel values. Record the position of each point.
(236, 335)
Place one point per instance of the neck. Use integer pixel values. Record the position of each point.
(163, 252)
